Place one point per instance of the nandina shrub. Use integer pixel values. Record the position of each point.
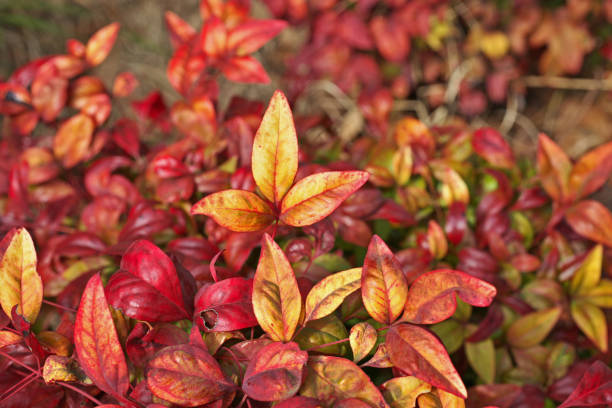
(238, 264)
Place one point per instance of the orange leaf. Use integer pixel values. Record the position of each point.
(275, 372)
(531, 329)
(383, 286)
(362, 339)
(592, 322)
(20, 283)
(8, 338)
(246, 70)
(186, 375)
(214, 37)
(419, 353)
(275, 150)
(591, 220)
(276, 297)
(333, 379)
(96, 342)
(316, 196)
(100, 44)
(72, 140)
(554, 168)
(591, 171)
(431, 297)
(180, 31)
(237, 210)
(330, 292)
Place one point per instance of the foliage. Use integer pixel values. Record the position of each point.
(406, 266)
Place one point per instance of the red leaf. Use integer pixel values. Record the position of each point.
(419, 353)
(226, 305)
(591, 220)
(591, 171)
(275, 373)
(147, 287)
(595, 388)
(491, 146)
(186, 375)
(431, 297)
(245, 69)
(554, 168)
(180, 31)
(252, 35)
(97, 345)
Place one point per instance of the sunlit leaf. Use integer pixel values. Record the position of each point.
(332, 379)
(58, 368)
(327, 295)
(362, 339)
(277, 301)
(316, 196)
(402, 392)
(100, 44)
(275, 373)
(383, 286)
(148, 287)
(588, 274)
(252, 35)
(600, 295)
(419, 353)
(186, 375)
(96, 343)
(236, 210)
(431, 297)
(275, 150)
(20, 283)
(592, 322)
(532, 328)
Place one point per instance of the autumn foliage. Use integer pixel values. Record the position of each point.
(213, 255)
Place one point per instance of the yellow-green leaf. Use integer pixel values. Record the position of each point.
(401, 392)
(20, 283)
(277, 302)
(532, 328)
(236, 210)
(275, 150)
(591, 320)
(600, 295)
(588, 274)
(481, 356)
(327, 295)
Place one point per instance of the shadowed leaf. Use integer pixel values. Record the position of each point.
(594, 388)
(419, 353)
(403, 392)
(431, 297)
(489, 144)
(275, 373)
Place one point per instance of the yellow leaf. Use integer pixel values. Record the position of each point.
(327, 295)
(316, 196)
(275, 150)
(402, 392)
(362, 338)
(383, 286)
(592, 322)
(600, 295)
(532, 328)
(237, 210)
(588, 274)
(277, 302)
(20, 284)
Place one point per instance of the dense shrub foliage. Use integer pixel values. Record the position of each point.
(225, 254)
